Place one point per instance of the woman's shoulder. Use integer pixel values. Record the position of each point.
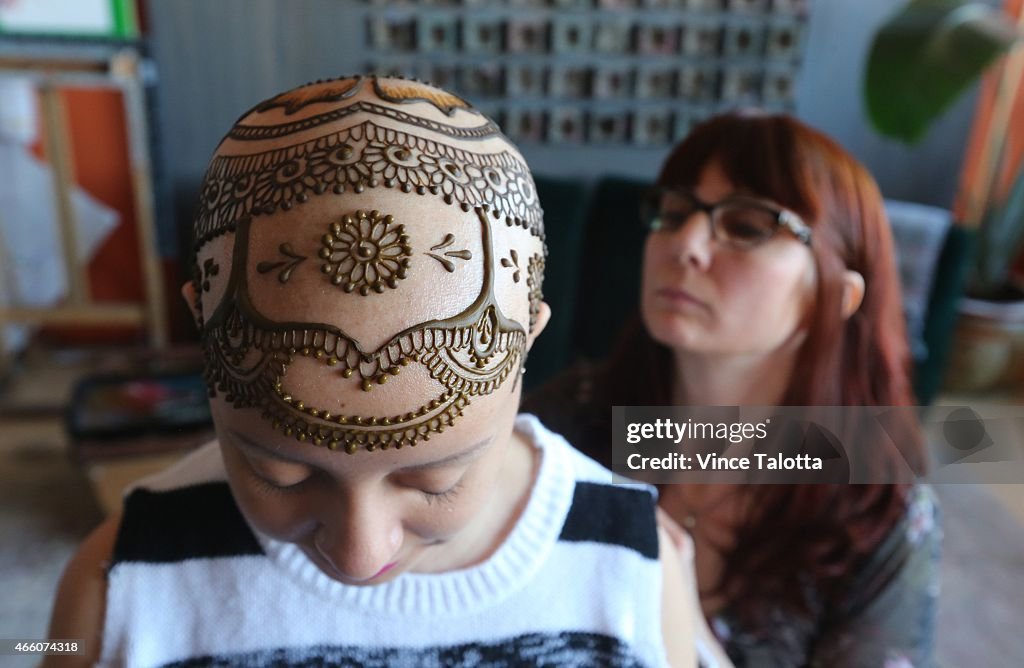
(918, 531)
(907, 558)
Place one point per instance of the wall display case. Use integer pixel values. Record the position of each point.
(638, 72)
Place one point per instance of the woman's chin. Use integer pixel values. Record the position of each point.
(678, 333)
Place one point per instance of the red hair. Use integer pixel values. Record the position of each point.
(824, 531)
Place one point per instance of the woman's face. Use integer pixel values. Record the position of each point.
(703, 297)
(365, 518)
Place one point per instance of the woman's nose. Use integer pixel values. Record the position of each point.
(359, 544)
(692, 243)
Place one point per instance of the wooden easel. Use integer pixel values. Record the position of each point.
(120, 71)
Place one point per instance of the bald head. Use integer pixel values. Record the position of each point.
(369, 261)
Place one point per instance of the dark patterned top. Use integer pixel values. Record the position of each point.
(886, 620)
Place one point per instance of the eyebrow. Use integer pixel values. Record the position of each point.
(444, 461)
(250, 444)
(451, 459)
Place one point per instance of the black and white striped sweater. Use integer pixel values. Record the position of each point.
(576, 583)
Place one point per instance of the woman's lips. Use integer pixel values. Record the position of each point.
(385, 569)
(679, 297)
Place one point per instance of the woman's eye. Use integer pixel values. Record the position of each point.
(444, 496)
(746, 225)
(745, 230)
(672, 220)
(273, 486)
(281, 477)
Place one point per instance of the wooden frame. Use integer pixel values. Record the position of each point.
(120, 71)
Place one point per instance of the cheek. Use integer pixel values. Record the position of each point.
(652, 260)
(444, 519)
(649, 271)
(773, 294)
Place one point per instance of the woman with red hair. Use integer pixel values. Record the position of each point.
(769, 279)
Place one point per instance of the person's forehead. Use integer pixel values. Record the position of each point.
(371, 264)
(445, 450)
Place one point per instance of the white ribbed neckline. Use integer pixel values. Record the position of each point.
(508, 569)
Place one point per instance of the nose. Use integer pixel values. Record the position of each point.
(359, 542)
(692, 243)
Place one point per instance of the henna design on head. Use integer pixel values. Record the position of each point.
(534, 281)
(248, 356)
(403, 91)
(311, 93)
(448, 265)
(366, 251)
(248, 353)
(513, 264)
(288, 265)
(360, 157)
(246, 132)
(210, 269)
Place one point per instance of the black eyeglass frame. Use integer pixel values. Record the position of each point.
(783, 217)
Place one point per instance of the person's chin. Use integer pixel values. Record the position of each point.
(675, 330)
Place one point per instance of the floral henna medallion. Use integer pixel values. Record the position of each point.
(365, 252)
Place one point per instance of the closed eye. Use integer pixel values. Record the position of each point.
(446, 496)
(273, 487)
(277, 476)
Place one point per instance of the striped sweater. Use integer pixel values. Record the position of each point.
(577, 582)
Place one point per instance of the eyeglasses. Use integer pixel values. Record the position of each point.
(738, 222)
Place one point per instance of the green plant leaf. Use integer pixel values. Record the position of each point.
(925, 57)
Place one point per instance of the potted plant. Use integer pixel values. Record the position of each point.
(922, 59)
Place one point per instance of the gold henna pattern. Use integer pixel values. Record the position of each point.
(405, 91)
(286, 266)
(360, 157)
(448, 265)
(512, 263)
(366, 251)
(534, 281)
(246, 132)
(248, 356)
(311, 93)
(210, 269)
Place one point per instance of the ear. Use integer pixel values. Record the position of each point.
(853, 292)
(543, 315)
(188, 291)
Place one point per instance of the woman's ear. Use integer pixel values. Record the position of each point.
(188, 291)
(853, 292)
(543, 315)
